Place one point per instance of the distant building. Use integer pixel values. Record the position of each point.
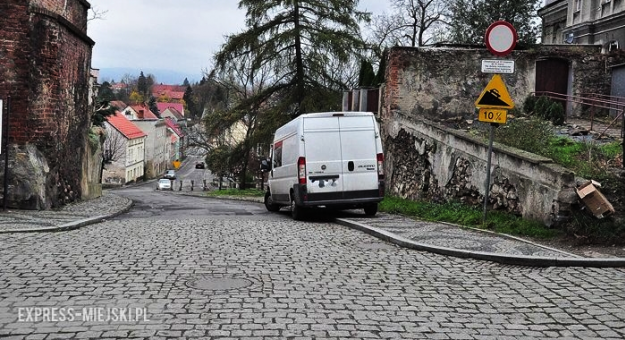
(177, 109)
(119, 87)
(169, 93)
(584, 22)
(177, 139)
(157, 142)
(125, 149)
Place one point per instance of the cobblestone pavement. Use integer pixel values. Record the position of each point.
(107, 205)
(443, 238)
(455, 237)
(281, 279)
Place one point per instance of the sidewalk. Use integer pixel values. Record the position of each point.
(441, 238)
(70, 217)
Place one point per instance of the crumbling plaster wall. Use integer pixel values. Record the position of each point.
(443, 84)
(427, 88)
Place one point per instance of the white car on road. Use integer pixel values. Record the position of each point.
(163, 184)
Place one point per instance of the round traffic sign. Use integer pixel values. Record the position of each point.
(501, 38)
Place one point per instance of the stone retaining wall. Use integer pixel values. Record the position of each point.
(425, 160)
(428, 87)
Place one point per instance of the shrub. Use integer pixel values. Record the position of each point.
(555, 113)
(541, 106)
(529, 104)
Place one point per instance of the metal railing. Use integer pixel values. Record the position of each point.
(594, 101)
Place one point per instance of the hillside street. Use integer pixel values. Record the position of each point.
(184, 266)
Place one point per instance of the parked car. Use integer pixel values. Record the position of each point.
(199, 165)
(164, 184)
(170, 174)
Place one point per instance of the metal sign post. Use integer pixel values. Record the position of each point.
(495, 101)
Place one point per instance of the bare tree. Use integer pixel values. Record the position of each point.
(96, 14)
(114, 146)
(411, 23)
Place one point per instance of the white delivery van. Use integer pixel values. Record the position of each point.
(331, 159)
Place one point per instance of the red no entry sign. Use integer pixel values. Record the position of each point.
(501, 38)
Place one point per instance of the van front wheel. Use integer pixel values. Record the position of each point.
(297, 212)
(269, 203)
(371, 210)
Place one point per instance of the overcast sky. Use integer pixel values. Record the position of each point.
(179, 35)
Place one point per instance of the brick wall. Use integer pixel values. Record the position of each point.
(45, 58)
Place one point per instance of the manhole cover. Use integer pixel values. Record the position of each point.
(219, 283)
(376, 246)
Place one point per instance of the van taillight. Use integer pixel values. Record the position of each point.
(301, 170)
(380, 166)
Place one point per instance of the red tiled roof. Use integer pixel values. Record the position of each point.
(172, 91)
(164, 106)
(144, 112)
(120, 105)
(126, 127)
(175, 127)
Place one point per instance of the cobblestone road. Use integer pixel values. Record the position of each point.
(274, 278)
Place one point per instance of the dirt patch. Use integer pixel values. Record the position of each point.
(571, 245)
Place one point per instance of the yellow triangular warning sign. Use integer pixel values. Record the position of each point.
(495, 94)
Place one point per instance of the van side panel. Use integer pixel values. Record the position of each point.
(322, 142)
(284, 169)
(358, 144)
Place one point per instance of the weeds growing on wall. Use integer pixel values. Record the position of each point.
(467, 216)
(531, 135)
(533, 130)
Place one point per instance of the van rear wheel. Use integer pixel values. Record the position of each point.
(269, 203)
(371, 209)
(297, 212)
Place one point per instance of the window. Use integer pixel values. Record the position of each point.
(277, 155)
(578, 5)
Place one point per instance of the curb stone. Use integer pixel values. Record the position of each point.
(74, 224)
(504, 259)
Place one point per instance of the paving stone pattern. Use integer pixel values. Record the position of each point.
(307, 280)
(108, 203)
(456, 237)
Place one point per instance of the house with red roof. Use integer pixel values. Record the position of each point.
(177, 138)
(124, 151)
(157, 144)
(119, 87)
(175, 110)
(120, 105)
(169, 93)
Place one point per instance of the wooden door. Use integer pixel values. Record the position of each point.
(552, 75)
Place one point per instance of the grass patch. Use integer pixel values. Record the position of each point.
(237, 192)
(588, 160)
(467, 216)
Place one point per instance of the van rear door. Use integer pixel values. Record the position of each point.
(322, 143)
(358, 149)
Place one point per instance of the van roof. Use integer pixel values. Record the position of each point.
(291, 127)
(330, 114)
